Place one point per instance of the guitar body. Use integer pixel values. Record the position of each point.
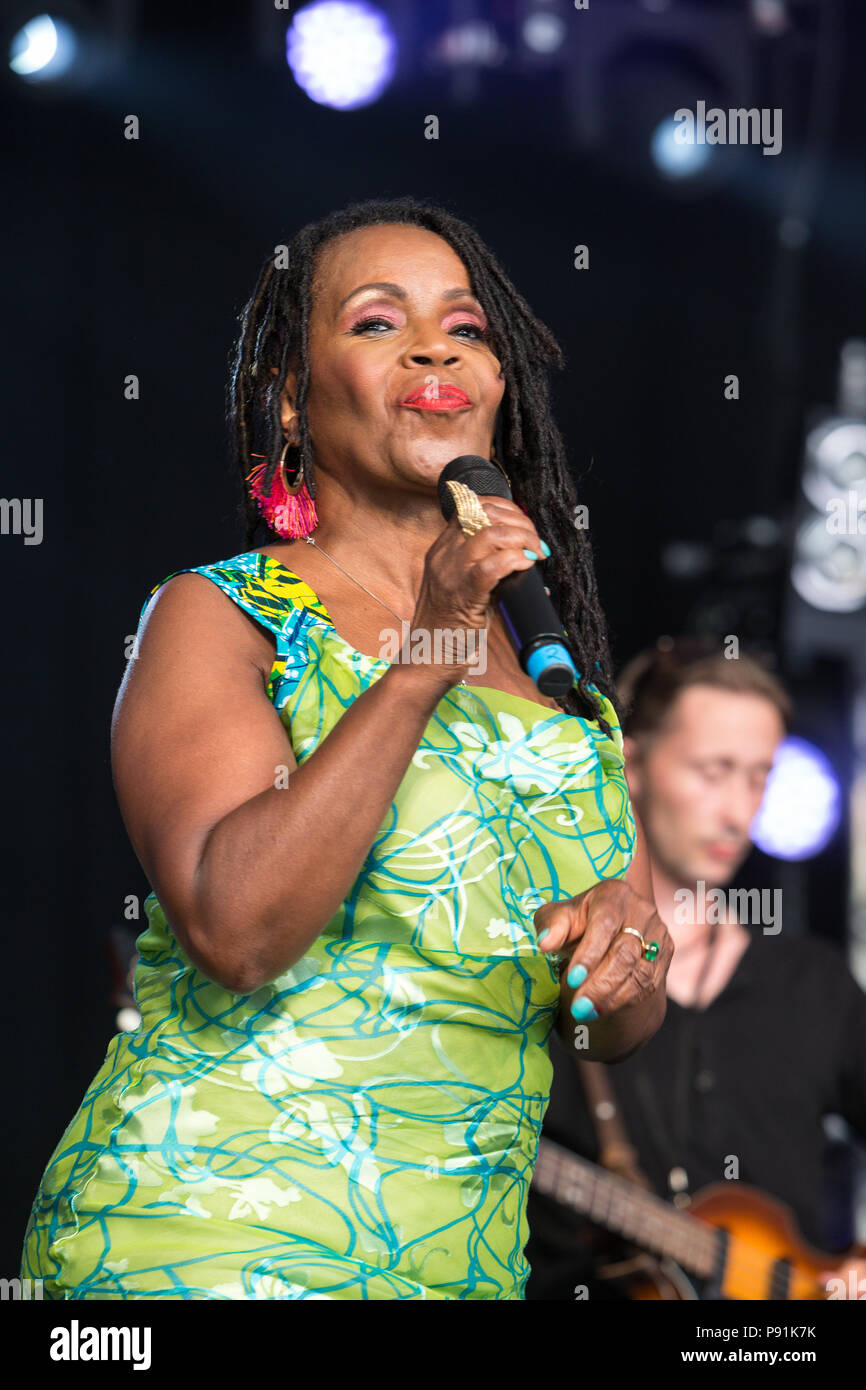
(768, 1259)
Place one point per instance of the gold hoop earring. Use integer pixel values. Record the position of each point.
(288, 508)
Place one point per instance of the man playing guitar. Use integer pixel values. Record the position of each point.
(765, 1032)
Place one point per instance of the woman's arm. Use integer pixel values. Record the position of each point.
(627, 991)
(638, 874)
(249, 854)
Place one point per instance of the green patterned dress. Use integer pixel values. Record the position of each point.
(365, 1126)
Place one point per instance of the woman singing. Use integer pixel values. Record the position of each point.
(338, 1081)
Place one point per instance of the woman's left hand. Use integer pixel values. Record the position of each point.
(606, 966)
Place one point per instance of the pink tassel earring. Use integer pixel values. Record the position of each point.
(289, 511)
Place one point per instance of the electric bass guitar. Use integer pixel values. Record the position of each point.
(733, 1238)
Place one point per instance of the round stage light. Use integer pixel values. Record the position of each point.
(828, 568)
(127, 1020)
(43, 49)
(835, 462)
(802, 803)
(343, 54)
(677, 159)
(543, 32)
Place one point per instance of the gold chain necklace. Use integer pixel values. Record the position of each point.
(310, 541)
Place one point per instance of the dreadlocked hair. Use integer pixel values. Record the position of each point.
(274, 330)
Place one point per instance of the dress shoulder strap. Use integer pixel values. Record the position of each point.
(260, 585)
(278, 599)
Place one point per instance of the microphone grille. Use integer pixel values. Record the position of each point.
(475, 472)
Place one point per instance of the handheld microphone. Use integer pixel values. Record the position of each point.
(529, 616)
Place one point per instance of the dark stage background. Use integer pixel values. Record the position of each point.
(128, 256)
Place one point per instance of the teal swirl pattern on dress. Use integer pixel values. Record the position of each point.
(365, 1126)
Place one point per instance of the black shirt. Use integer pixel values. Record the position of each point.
(782, 1045)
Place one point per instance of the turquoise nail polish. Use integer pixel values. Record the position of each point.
(576, 975)
(542, 935)
(584, 1010)
(530, 554)
(545, 550)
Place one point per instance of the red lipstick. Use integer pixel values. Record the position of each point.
(444, 396)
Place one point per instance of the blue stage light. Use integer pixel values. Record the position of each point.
(43, 49)
(677, 159)
(342, 54)
(802, 803)
(544, 32)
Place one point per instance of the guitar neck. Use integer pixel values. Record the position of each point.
(620, 1206)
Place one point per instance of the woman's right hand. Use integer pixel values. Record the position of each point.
(460, 573)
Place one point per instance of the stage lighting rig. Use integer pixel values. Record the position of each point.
(828, 563)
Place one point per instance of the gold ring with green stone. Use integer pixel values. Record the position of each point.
(649, 949)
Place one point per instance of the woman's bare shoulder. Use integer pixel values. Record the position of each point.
(190, 618)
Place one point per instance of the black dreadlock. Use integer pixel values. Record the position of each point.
(274, 327)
